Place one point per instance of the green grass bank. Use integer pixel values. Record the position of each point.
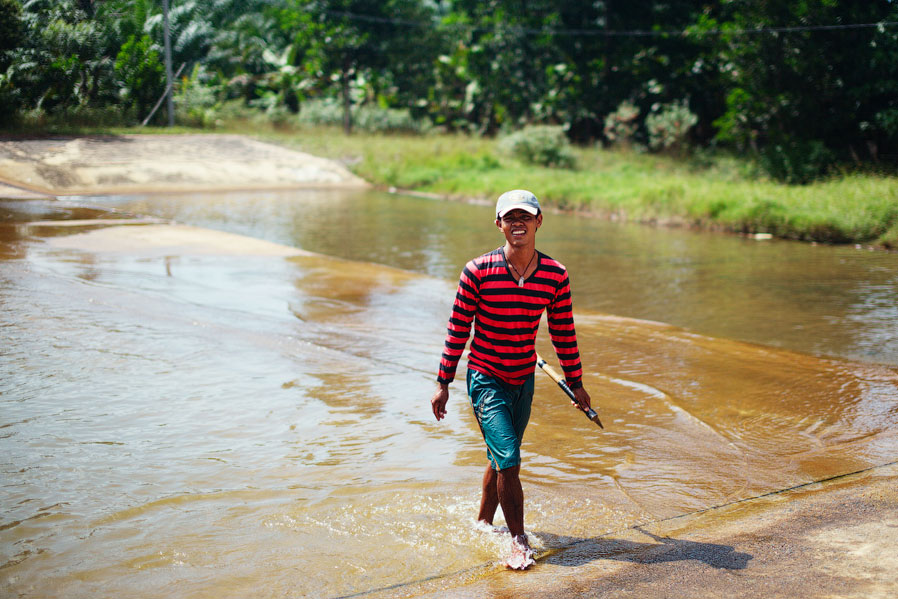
(709, 191)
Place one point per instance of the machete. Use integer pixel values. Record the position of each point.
(590, 413)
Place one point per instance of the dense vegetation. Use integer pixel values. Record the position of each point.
(804, 85)
(800, 91)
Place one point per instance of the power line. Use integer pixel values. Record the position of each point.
(709, 32)
(615, 33)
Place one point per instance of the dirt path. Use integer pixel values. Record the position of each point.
(160, 163)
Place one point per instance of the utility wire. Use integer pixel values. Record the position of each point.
(613, 33)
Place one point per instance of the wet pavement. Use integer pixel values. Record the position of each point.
(834, 539)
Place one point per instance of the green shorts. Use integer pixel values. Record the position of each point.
(502, 410)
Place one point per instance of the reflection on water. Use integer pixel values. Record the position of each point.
(230, 426)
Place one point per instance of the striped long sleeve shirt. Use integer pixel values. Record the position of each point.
(506, 317)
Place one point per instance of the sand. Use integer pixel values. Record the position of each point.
(158, 163)
(160, 240)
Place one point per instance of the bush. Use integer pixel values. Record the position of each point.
(668, 128)
(796, 162)
(273, 110)
(234, 111)
(140, 72)
(72, 119)
(620, 125)
(382, 120)
(370, 118)
(196, 103)
(542, 145)
(889, 239)
(325, 112)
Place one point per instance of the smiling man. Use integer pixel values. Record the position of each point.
(503, 294)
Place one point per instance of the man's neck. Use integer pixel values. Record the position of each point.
(520, 256)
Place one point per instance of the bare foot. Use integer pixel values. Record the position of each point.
(521, 556)
(484, 526)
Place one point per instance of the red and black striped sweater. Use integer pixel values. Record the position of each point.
(506, 319)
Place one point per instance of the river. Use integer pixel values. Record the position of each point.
(218, 424)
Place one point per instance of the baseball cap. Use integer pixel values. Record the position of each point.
(516, 199)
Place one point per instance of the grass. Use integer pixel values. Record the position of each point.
(708, 190)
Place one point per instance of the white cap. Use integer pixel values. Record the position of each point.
(517, 199)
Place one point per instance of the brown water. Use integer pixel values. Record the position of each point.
(181, 423)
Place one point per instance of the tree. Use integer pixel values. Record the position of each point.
(803, 74)
(63, 60)
(12, 30)
(141, 73)
(344, 42)
(573, 62)
(500, 64)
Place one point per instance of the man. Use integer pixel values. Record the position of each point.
(504, 293)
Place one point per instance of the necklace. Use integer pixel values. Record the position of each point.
(526, 268)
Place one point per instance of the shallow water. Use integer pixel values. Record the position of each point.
(228, 426)
(816, 299)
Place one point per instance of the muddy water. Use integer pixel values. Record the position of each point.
(823, 300)
(202, 420)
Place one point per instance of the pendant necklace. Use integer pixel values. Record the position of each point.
(520, 276)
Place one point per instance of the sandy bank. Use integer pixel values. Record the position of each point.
(156, 163)
(159, 240)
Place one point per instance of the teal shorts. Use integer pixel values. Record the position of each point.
(502, 411)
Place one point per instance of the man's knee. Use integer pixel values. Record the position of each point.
(510, 472)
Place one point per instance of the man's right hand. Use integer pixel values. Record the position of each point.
(438, 403)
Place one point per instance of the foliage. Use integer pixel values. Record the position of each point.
(196, 102)
(395, 120)
(804, 86)
(139, 68)
(889, 239)
(62, 61)
(370, 118)
(12, 35)
(637, 53)
(451, 99)
(669, 126)
(324, 112)
(12, 30)
(503, 62)
(540, 145)
(621, 125)
(769, 78)
(339, 51)
(796, 161)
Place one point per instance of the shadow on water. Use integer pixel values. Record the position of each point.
(575, 552)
